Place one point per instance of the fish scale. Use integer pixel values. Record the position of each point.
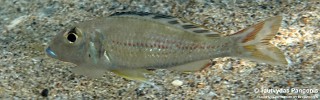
(158, 52)
(155, 56)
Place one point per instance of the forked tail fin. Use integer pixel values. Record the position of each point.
(255, 42)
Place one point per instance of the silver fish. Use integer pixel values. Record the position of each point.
(130, 43)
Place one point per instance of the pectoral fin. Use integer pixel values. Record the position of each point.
(193, 66)
(132, 74)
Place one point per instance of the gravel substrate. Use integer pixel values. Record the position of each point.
(27, 26)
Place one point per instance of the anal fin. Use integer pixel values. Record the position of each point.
(193, 66)
(133, 74)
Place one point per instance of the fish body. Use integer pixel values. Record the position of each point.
(130, 43)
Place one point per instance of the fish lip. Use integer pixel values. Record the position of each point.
(50, 53)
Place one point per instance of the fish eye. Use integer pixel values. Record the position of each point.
(72, 37)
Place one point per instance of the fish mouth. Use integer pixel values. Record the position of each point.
(50, 53)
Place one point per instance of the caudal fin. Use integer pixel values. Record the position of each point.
(255, 42)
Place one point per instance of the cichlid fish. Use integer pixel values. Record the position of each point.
(129, 44)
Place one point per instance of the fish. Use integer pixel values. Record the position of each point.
(130, 44)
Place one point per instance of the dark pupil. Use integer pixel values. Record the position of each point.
(72, 37)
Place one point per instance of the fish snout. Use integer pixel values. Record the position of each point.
(50, 53)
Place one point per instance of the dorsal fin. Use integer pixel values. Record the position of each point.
(170, 20)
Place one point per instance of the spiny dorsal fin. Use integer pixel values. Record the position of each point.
(170, 20)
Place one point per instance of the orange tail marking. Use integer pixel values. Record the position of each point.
(252, 34)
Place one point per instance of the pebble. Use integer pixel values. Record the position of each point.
(45, 92)
(177, 83)
(200, 85)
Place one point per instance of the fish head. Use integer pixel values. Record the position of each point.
(68, 46)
